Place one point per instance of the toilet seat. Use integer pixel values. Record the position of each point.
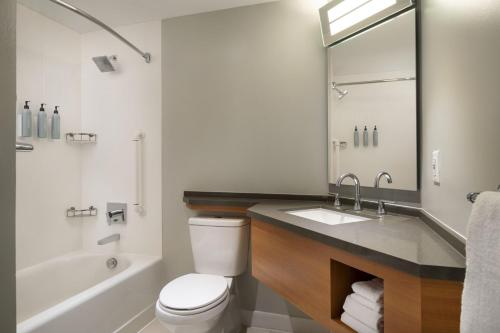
(193, 294)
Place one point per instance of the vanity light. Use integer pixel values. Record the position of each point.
(342, 18)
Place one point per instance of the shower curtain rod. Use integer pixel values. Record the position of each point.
(91, 18)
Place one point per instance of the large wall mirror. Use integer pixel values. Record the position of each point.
(373, 116)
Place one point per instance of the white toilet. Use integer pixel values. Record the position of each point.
(203, 301)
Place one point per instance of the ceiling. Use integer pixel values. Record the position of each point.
(125, 12)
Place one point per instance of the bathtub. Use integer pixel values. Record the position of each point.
(78, 293)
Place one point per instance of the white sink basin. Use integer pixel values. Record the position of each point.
(327, 216)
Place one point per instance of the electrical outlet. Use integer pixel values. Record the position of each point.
(435, 167)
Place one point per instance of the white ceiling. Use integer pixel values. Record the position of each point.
(124, 12)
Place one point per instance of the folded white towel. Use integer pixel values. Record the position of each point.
(356, 324)
(374, 306)
(373, 289)
(360, 312)
(481, 295)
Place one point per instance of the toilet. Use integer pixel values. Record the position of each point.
(204, 302)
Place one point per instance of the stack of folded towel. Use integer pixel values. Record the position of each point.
(364, 309)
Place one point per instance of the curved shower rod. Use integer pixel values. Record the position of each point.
(89, 17)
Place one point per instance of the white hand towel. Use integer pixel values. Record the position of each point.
(356, 324)
(481, 295)
(374, 306)
(373, 289)
(360, 312)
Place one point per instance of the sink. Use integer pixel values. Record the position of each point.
(327, 216)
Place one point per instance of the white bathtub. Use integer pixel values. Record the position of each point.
(78, 293)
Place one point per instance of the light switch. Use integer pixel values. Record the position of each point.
(435, 167)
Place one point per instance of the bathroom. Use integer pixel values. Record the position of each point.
(241, 166)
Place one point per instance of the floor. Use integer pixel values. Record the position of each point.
(155, 327)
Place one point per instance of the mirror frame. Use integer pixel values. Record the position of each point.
(395, 195)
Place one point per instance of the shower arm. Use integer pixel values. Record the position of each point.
(145, 55)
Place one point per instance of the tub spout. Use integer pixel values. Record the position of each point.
(109, 239)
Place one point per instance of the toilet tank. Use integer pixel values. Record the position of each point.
(220, 245)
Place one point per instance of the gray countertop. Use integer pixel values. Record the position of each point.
(403, 242)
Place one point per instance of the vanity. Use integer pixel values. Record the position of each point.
(313, 264)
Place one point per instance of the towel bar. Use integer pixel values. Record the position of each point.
(472, 196)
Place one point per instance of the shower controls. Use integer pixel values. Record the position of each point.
(116, 213)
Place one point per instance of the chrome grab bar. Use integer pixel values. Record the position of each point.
(472, 196)
(23, 147)
(354, 83)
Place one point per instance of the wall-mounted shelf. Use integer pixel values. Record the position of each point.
(73, 212)
(81, 137)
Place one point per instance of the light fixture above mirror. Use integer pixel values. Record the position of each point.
(343, 18)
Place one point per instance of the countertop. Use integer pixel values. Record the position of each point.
(403, 242)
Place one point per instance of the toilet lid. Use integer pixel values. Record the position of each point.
(193, 291)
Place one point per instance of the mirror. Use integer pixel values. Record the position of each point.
(373, 85)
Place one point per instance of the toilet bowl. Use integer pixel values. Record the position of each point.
(203, 302)
(193, 303)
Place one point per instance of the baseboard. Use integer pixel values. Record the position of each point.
(137, 322)
(280, 322)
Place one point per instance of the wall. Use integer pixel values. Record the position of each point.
(49, 178)
(244, 111)
(385, 52)
(7, 165)
(116, 105)
(460, 102)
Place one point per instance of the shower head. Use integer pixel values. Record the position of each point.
(104, 63)
(341, 93)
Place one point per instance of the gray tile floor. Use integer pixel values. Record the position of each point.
(155, 327)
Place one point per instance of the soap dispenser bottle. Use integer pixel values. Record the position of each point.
(356, 136)
(55, 132)
(42, 122)
(27, 121)
(365, 137)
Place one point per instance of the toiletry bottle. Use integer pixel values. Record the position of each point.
(27, 120)
(55, 132)
(356, 136)
(365, 137)
(375, 136)
(42, 122)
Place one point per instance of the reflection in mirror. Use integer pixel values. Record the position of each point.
(372, 115)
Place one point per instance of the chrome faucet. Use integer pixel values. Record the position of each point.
(381, 204)
(109, 239)
(357, 190)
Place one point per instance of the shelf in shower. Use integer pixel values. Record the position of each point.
(81, 137)
(73, 212)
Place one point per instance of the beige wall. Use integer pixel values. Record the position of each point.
(244, 111)
(461, 104)
(7, 165)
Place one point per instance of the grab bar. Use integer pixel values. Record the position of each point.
(398, 79)
(23, 147)
(472, 196)
(139, 186)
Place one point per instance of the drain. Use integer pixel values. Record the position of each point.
(111, 263)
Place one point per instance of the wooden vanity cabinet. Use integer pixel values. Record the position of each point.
(317, 277)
